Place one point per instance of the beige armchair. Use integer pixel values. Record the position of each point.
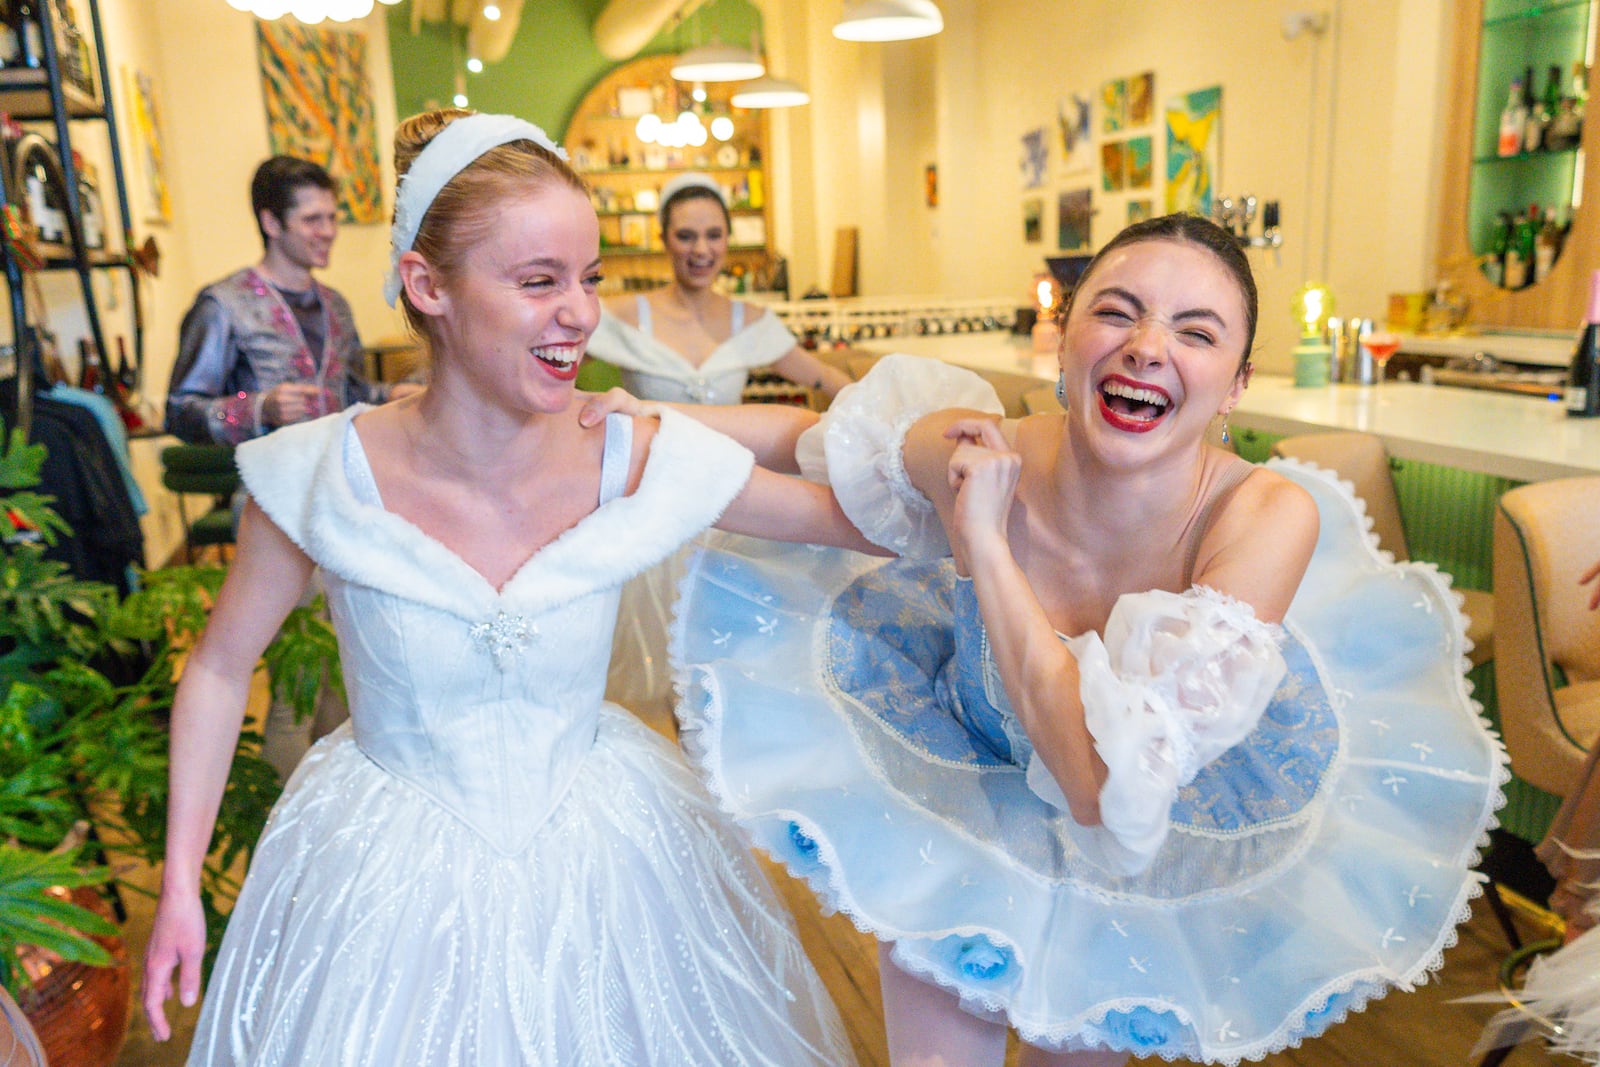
(1547, 663)
(1361, 459)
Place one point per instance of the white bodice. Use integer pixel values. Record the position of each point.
(653, 371)
(485, 700)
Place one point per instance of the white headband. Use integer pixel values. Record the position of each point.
(448, 154)
(692, 180)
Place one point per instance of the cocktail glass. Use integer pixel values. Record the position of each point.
(1382, 346)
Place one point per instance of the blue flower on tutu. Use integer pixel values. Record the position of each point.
(802, 841)
(982, 960)
(1142, 1028)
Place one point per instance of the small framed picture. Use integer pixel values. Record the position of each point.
(636, 231)
(633, 101)
(749, 231)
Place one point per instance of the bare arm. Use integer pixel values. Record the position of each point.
(265, 581)
(781, 508)
(803, 368)
(768, 430)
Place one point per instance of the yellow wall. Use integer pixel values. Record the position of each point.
(1371, 88)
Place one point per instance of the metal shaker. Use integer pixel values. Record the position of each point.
(1353, 362)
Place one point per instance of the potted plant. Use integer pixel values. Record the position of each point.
(87, 680)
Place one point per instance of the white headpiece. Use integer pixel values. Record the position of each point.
(691, 180)
(447, 155)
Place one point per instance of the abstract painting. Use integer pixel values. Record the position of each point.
(1113, 105)
(1033, 220)
(1141, 99)
(319, 107)
(1113, 166)
(1194, 148)
(1035, 158)
(154, 198)
(1074, 212)
(1072, 124)
(1136, 162)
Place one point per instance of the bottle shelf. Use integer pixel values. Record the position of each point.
(644, 171)
(735, 209)
(25, 94)
(1562, 154)
(1569, 8)
(635, 250)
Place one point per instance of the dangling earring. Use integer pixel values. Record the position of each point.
(1061, 387)
(1226, 437)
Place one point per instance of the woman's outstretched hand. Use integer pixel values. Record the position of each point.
(616, 400)
(983, 473)
(177, 941)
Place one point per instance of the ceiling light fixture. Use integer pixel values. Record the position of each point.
(717, 63)
(769, 91)
(310, 12)
(888, 20)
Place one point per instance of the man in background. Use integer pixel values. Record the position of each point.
(269, 346)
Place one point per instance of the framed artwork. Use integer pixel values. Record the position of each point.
(1074, 212)
(1076, 137)
(319, 107)
(635, 231)
(1136, 162)
(1035, 158)
(1033, 219)
(1113, 105)
(930, 184)
(633, 101)
(748, 231)
(1138, 211)
(152, 196)
(1112, 166)
(1142, 99)
(1194, 148)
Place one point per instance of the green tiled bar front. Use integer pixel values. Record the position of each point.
(1449, 521)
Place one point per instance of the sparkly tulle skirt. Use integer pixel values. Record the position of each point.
(375, 928)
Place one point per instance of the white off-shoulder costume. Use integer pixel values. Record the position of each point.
(653, 371)
(490, 865)
(1291, 817)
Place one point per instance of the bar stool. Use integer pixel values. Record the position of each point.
(205, 470)
(1547, 666)
(1360, 458)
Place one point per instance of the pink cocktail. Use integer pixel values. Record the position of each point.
(1382, 346)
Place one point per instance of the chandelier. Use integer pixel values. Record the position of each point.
(309, 12)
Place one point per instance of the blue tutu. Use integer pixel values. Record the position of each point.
(829, 701)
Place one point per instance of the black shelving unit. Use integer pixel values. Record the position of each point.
(38, 94)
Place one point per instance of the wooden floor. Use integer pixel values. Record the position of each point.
(1419, 1029)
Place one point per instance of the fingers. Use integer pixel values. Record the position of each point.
(613, 400)
(157, 988)
(1588, 576)
(188, 978)
(985, 431)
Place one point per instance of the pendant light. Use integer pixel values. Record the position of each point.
(888, 20)
(769, 91)
(310, 12)
(717, 62)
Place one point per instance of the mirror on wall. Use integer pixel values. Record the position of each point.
(1527, 158)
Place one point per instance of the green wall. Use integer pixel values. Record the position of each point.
(552, 62)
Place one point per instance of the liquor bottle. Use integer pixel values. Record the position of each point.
(1547, 246)
(10, 43)
(91, 212)
(1532, 131)
(1494, 264)
(1583, 380)
(1550, 106)
(46, 207)
(29, 36)
(1518, 254)
(1512, 118)
(91, 375)
(127, 376)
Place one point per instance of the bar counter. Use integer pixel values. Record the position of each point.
(1520, 438)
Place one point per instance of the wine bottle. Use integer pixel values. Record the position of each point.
(29, 36)
(91, 375)
(10, 43)
(127, 377)
(1532, 130)
(1512, 118)
(1583, 380)
(1494, 264)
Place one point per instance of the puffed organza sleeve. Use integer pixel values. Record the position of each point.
(856, 448)
(1177, 680)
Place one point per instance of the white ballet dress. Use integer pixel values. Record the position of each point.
(640, 676)
(489, 866)
(1291, 816)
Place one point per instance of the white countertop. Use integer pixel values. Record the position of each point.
(1518, 437)
(1544, 349)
